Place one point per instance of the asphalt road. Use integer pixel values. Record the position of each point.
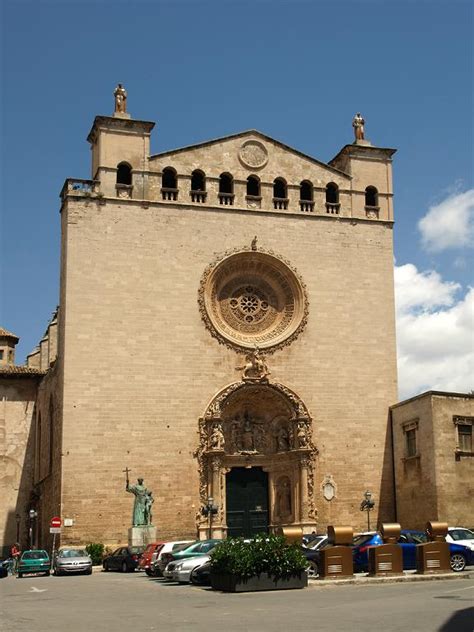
(124, 602)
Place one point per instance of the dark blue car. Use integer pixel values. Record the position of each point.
(461, 556)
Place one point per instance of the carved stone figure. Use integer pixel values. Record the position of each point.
(149, 500)
(235, 444)
(283, 440)
(358, 125)
(120, 95)
(255, 368)
(253, 245)
(217, 440)
(248, 444)
(302, 435)
(141, 516)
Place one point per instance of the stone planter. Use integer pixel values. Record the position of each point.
(264, 581)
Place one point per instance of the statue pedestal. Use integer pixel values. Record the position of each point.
(141, 536)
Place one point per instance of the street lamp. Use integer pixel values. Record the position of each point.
(209, 510)
(33, 514)
(367, 505)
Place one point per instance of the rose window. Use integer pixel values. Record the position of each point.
(252, 298)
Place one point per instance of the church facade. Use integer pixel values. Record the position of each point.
(226, 330)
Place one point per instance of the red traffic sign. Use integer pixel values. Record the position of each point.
(55, 522)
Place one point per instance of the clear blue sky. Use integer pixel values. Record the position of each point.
(297, 71)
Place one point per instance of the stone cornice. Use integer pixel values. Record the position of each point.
(119, 125)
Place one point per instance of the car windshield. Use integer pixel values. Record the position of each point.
(188, 545)
(34, 555)
(137, 549)
(73, 553)
(419, 538)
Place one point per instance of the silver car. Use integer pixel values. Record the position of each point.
(180, 570)
(72, 561)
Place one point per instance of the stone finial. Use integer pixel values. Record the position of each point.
(253, 245)
(120, 95)
(358, 125)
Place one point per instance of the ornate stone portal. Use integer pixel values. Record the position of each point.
(254, 423)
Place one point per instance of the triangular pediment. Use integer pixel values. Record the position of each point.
(247, 152)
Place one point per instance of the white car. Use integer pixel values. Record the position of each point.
(461, 535)
(168, 547)
(180, 571)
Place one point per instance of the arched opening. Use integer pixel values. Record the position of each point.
(226, 189)
(253, 186)
(169, 184)
(262, 436)
(306, 196)
(371, 196)
(198, 186)
(280, 194)
(124, 174)
(332, 199)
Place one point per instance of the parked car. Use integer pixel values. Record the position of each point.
(311, 538)
(196, 548)
(146, 559)
(460, 555)
(201, 576)
(180, 570)
(4, 567)
(461, 535)
(313, 557)
(34, 561)
(124, 559)
(68, 561)
(168, 547)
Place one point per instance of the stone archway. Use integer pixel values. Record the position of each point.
(256, 424)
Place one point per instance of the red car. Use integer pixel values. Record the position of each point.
(149, 555)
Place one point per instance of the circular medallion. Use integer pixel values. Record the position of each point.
(253, 298)
(253, 154)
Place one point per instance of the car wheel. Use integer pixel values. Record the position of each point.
(105, 566)
(312, 569)
(124, 567)
(20, 575)
(148, 572)
(457, 562)
(47, 573)
(89, 572)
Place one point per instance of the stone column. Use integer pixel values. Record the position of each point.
(304, 489)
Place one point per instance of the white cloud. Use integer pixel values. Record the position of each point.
(449, 224)
(435, 336)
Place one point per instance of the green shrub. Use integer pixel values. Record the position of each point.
(264, 554)
(96, 551)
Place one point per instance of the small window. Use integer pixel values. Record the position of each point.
(371, 196)
(169, 180)
(226, 189)
(306, 191)
(332, 193)
(463, 426)
(253, 186)
(198, 181)
(465, 438)
(1, 354)
(410, 438)
(124, 174)
(280, 200)
(198, 186)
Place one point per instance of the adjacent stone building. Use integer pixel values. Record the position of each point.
(226, 330)
(433, 452)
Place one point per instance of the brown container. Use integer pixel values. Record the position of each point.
(432, 557)
(390, 532)
(340, 535)
(291, 534)
(385, 560)
(437, 531)
(336, 562)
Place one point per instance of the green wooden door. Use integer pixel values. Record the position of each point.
(247, 501)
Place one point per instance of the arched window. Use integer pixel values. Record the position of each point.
(280, 199)
(169, 184)
(371, 196)
(198, 186)
(226, 189)
(124, 174)
(306, 196)
(332, 199)
(253, 186)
